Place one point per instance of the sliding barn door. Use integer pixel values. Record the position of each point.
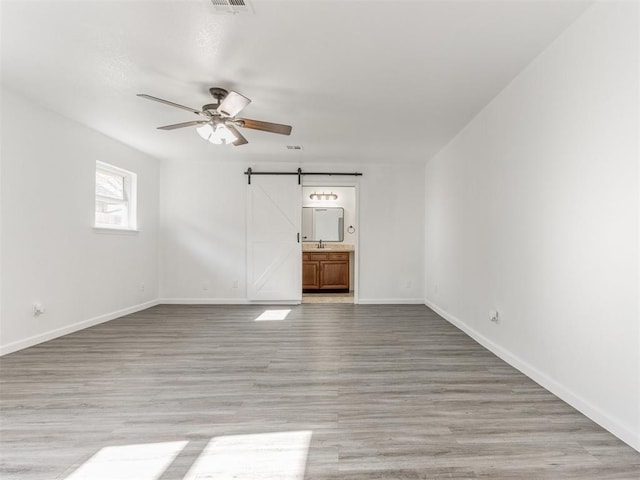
(274, 262)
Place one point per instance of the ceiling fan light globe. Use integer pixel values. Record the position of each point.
(222, 136)
(205, 131)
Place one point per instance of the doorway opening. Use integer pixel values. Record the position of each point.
(329, 243)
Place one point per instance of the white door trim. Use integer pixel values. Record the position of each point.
(309, 182)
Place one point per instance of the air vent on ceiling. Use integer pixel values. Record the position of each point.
(232, 6)
(294, 147)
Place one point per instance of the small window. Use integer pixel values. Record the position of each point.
(115, 197)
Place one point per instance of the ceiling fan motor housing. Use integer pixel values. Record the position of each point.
(210, 108)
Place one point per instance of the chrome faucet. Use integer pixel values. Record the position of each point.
(320, 245)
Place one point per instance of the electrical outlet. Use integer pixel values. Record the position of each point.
(142, 287)
(494, 316)
(205, 286)
(38, 309)
(235, 284)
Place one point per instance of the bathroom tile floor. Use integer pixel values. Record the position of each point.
(327, 297)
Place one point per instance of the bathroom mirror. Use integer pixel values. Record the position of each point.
(326, 224)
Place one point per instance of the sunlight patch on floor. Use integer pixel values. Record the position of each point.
(265, 456)
(270, 315)
(129, 462)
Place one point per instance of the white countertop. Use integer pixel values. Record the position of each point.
(327, 247)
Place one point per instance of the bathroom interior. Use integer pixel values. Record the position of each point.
(329, 241)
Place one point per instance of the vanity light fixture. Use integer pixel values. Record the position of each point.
(217, 134)
(323, 196)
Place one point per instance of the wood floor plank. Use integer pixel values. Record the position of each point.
(387, 392)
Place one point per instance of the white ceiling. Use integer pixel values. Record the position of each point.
(363, 81)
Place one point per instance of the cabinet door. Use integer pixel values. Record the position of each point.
(334, 274)
(310, 275)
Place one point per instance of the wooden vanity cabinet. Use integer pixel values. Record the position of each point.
(310, 273)
(325, 271)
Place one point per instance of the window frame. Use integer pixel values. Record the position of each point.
(130, 193)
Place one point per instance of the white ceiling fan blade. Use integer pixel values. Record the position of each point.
(183, 124)
(171, 104)
(233, 104)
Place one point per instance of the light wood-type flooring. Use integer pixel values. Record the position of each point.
(329, 392)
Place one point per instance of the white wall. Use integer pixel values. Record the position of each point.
(203, 237)
(203, 248)
(392, 234)
(533, 209)
(50, 252)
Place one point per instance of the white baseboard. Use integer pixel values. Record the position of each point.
(273, 302)
(391, 301)
(203, 301)
(58, 332)
(603, 419)
(224, 301)
(244, 301)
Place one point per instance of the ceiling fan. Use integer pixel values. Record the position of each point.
(219, 119)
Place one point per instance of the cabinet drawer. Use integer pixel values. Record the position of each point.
(306, 256)
(319, 256)
(339, 256)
